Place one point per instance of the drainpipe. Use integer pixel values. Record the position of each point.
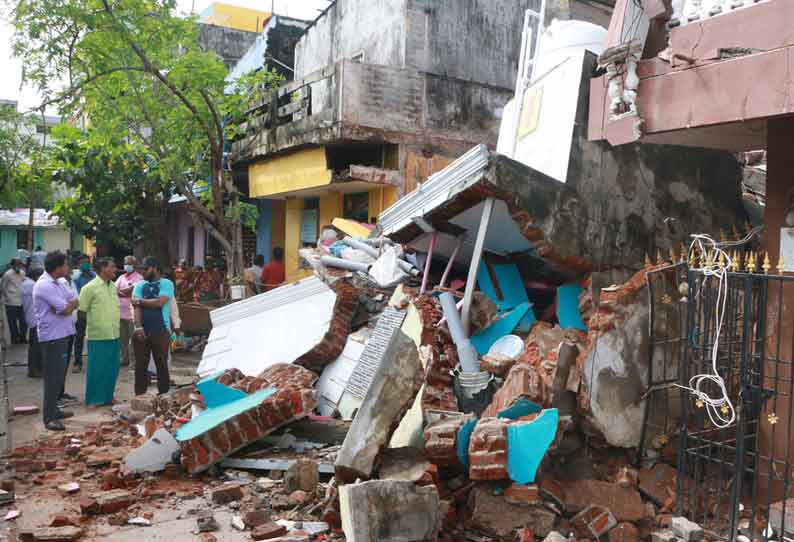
(474, 267)
(469, 361)
(331, 261)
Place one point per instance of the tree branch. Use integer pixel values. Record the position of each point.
(73, 90)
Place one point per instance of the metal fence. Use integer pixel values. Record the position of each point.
(734, 479)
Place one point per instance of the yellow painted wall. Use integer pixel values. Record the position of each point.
(330, 208)
(278, 225)
(237, 17)
(299, 170)
(381, 198)
(292, 237)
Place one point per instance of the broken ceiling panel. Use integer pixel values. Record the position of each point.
(275, 327)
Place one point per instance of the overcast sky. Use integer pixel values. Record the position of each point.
(12, 67)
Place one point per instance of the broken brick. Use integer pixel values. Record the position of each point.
(63, 521)
(303, 474)
(624, 532)
(207, 537)
(441, 440)
(298, 497)
(497, 364)
(206, 524)
(89, 505)
(488, 450)
(523, 381)
(626, 504)
(255, 518)
(294, 399)
(593, 521)
(627, 477)
(227, 493)
(57, 534)
(110, 502)
(268, 531)
(522, 494)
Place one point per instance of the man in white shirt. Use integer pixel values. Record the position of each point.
(11, 293)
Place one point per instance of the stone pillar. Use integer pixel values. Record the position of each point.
(779, 341)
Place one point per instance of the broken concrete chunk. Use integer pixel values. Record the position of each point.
(625, 504)
(108, 502)
(554, 536)
(405, 463)
(227, 493)
(493, 516)
(207, 524)
(394, 386)
(663, 535)
(238, 523)
(68, 489)
(389, 511)
(303, 474)
(153, 455)
(688, 530)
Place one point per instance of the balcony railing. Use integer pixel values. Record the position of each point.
(693, 11)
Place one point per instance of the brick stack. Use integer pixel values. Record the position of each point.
(293, 400)
(488, 450)
(441, 440)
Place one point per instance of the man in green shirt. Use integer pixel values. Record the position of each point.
(99, 309)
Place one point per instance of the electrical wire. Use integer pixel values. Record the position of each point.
(720, 408)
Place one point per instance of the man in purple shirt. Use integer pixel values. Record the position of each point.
(53, 305)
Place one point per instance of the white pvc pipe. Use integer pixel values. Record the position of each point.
(362, 246)
(476, 258)
(331, 261)
(469, 361)
(430, 250)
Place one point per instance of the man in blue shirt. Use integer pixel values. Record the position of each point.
(84, 276)
(151, 302)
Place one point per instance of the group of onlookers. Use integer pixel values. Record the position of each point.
(55, 310)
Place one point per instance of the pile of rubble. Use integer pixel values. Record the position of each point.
(537, 443)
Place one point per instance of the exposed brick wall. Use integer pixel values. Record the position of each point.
(488, 450)
(294, 399)
(441, 440)
(522, 381)
(332, 344)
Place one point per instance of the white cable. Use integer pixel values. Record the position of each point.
(714, 405)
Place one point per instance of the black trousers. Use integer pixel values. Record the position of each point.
(157, 347)
(79, 341)
(34, 354)
(16, 323)
(55, 358)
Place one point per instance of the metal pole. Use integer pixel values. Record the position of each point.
(5, 407)
(451, 261)
(433, 238)
(476, 257)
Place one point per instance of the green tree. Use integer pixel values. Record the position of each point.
(136, 73)
(24, 180)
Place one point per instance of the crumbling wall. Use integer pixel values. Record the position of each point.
(228, 43)
(640, 197)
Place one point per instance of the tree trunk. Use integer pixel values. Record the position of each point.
(31, 214)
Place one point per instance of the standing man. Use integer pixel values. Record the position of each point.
(151, 300)
(11, 292)
(124, 285)
(53, 306)
(99, 309)
(274, 273)
(255, 274)
(84, 276)
(37, 258)
(34, 352)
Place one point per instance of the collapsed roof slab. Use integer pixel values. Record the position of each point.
(533, 212)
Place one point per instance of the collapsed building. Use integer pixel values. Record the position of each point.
(486, 348)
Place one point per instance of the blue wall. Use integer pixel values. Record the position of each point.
(263, 228)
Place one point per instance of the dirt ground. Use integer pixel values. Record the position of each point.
(174, 518)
